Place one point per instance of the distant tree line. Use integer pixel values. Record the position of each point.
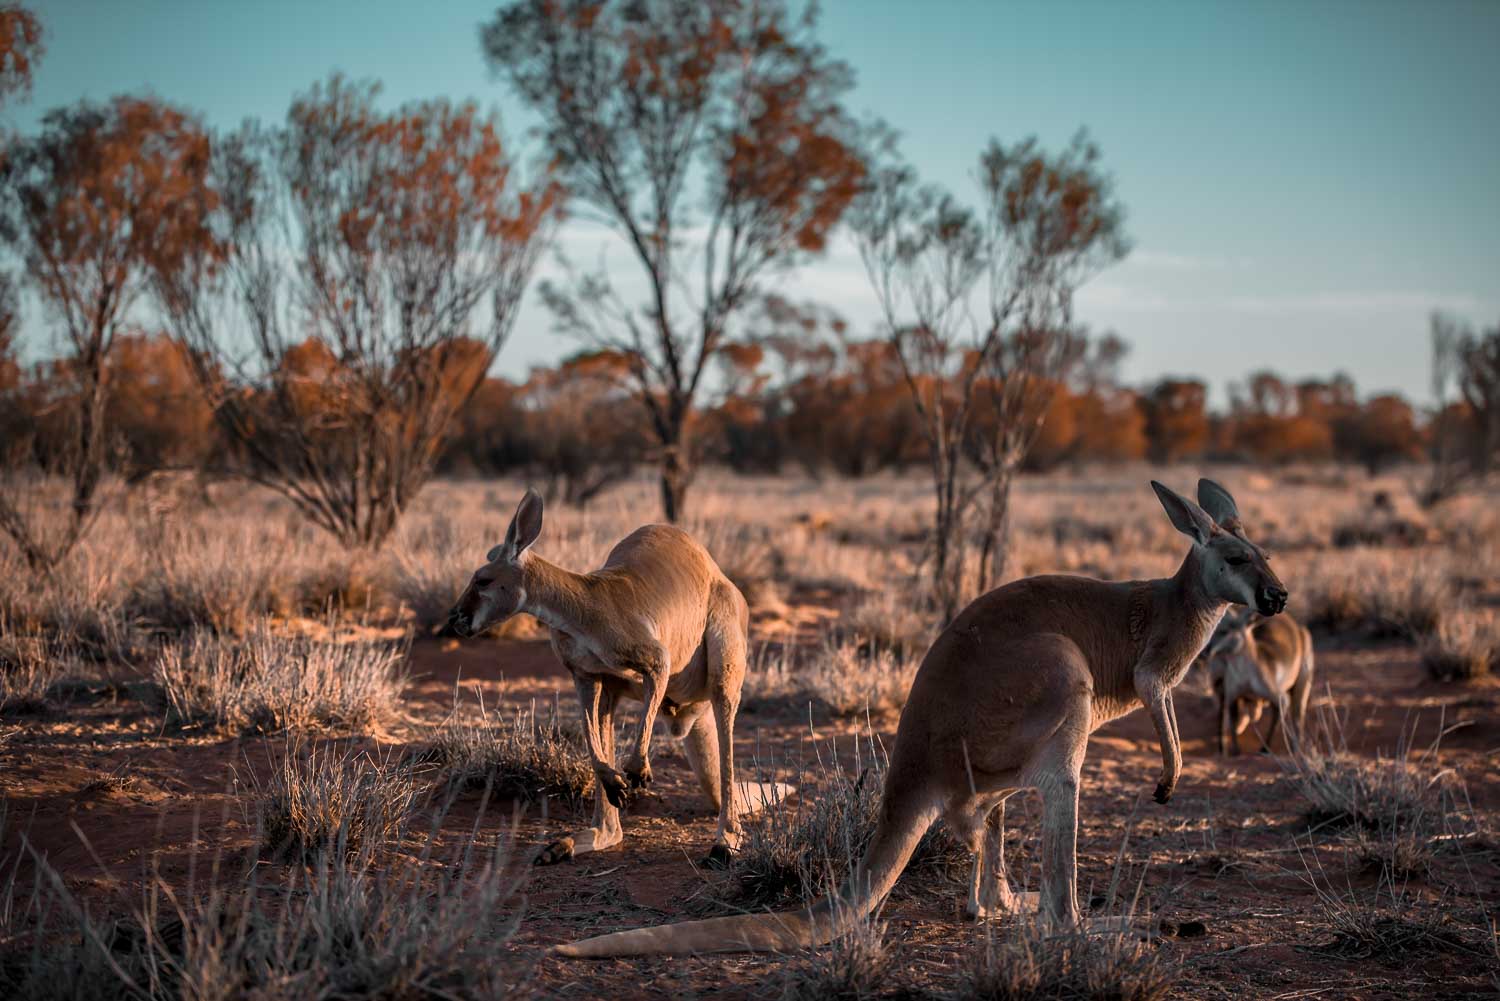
(833, 405)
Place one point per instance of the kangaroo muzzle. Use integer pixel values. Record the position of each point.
(1271, 600)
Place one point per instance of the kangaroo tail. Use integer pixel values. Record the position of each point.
(901, 826)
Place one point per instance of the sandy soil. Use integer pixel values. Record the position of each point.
(1222, 852)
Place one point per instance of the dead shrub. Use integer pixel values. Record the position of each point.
(1463, 648)
(891, 619)
(427, 927)
(1380, 597)
(1386, 923)
(847, 676)
(271, 681)
(1392, 807)
(857, 965)
(327, 801)
(523, 755)
(1031, 959)
(796, 852)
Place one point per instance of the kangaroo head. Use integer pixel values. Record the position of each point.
(498, 589)
(1231, 567)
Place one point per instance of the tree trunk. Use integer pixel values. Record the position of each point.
(994, 557)
(676, 476)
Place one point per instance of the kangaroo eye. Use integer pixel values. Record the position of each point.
(1236, 561)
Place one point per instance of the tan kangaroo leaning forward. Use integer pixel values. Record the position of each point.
(658, 622)
(1255, 662)
(1005, 700)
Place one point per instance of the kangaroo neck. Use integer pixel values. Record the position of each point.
(556, 597)
(1172, 618)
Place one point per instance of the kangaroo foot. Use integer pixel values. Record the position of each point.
(1012, 903)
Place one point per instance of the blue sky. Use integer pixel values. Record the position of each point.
(1304, 181)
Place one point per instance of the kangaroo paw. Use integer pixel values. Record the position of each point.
(560, 850)
(1163, 792)
(616, 789)
(639, 777)
(719, 857)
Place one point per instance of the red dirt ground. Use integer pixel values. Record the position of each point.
(1222, 852)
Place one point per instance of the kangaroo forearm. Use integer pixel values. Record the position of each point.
(1159, 704)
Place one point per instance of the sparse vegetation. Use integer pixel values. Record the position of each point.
(269, 680)
(1031, 960)
(330, 801)
(1464, 647)
(1391, 806)
(860, 964)
(846, 675)
(521, 754)
(799, 851)
(1387, 923)
(424, 928)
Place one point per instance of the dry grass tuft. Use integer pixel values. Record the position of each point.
(1464, 647)
(1385, 923)
(1032, 960)
(331, 802)
(857, 965)
(269, 681)
(793, 853)
(1393, 807)
(847, 676)
(1377, 593)
(424, 928)
(523, 755)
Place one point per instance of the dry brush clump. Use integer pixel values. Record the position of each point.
(857, 965)
(1032, 959)
(522, 755)
(433, 927)
(271, 680)
(798, 851)
(1376, 592)
(846, 675)
(1387, 922)
(327, 801)
(1464, 647)
(1393, 807)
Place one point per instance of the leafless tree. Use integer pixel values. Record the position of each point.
(1466, 426)
(978, 308)
(373, 264)
(640, 101)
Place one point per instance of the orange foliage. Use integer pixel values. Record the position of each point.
(156, 404)
(1176, 415)
(20, 48)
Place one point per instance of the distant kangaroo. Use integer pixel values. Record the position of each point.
(1255, 662)
(658, 622)
(1005, 700)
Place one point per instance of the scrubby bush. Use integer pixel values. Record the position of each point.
(327, 801)
(348, 930)
(270, 680)
(1033, 960)
(523, 755)
(795, 852)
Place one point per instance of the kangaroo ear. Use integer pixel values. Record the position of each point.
(1217, 502)
(1187, 517)
(524, 528)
